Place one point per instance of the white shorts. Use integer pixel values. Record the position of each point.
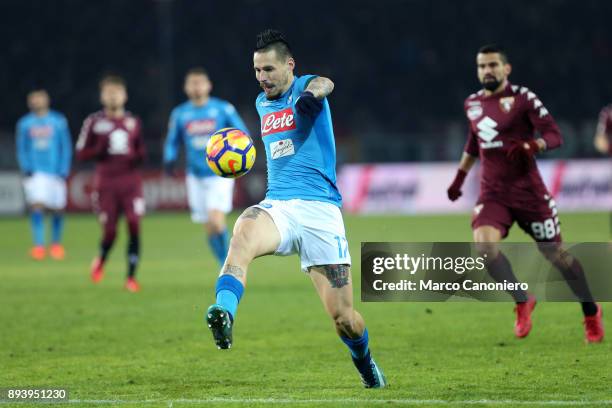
(46, 189)
(312, 229)
(209, 193)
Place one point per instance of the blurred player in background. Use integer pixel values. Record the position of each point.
(113, 138)
(44, 153)
(502, 120)
(301, 212)
(603, 135)
(191, 124)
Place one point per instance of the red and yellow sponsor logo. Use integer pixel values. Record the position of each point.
(279, 121)
(41, 131)
(201, 127)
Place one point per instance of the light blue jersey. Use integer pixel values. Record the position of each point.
(301, 153)
(192, 126)
(44, 144)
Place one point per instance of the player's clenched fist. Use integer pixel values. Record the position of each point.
(523, 151)
(454, 191)
(308, 105)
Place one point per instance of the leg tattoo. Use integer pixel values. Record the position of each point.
(233, 270)
(337, 275)
(252, 213)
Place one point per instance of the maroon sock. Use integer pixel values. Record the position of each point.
(574, 276)
(501, 270)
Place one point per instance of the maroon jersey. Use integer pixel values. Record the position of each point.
(498, 121)
(604, 126)
(116, 144)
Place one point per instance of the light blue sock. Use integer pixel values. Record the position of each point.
(219, 244)
(359, 346)
(57, 227)
(229, 291)
(38, 227)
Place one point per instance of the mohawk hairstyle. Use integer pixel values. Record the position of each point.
(494, 49)
(273, 40)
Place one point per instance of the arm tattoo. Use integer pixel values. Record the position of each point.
(320, 87)
(337, 275)
(251, 212)
(233, 270)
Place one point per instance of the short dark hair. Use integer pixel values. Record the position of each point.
(196, 71)
(273, 40)
(37, 88)
(112, 79)
(494, 49)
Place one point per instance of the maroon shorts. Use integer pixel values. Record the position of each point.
(539, 219)
(112, 200)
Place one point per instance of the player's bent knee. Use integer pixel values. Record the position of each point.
(238, 242)
(487, 249)
(242, 245)
(244, 233)
(486, 239)
(487, 234)
(242, 226)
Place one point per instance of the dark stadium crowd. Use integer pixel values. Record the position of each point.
(402, 68)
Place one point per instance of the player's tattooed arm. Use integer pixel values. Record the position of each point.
(233, 270)
(252, 213)
(337, 275)
(320, 87)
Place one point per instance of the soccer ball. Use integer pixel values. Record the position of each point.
(230, 153)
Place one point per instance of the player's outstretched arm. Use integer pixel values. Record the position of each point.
(310, 102)
(320, 87)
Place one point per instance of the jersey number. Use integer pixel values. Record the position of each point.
(544, 230)
(342, 246)
(118, 143)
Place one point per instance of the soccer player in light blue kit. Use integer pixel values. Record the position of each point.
(44, 153)
(301, 211)
(191, 124)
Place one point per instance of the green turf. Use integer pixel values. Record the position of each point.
(152, 348)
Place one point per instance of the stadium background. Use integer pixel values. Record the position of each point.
(402, 70)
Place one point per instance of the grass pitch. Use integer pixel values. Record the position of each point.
(113, 348)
